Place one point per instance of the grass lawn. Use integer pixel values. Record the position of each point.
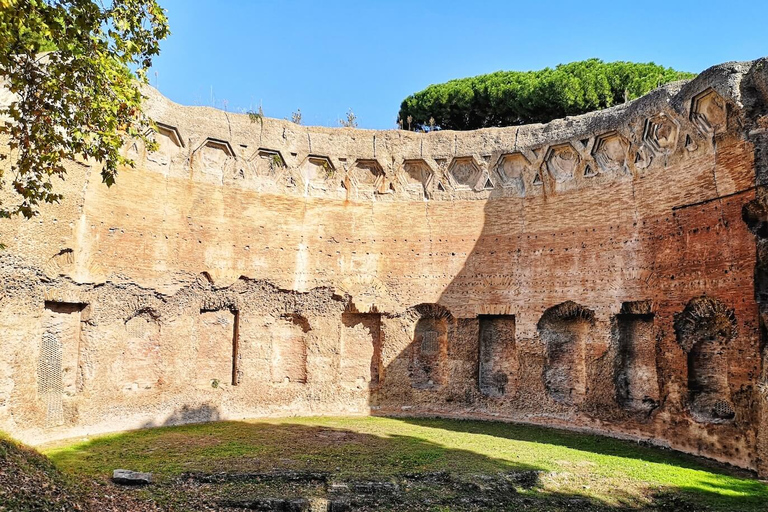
(371, 463)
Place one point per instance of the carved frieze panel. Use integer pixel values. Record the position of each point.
(465, 172)
(610, 153)
(511, 169)
(562, 161)
(708, 112)
(212, 160)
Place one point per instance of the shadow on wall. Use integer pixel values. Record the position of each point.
(568, 364)
(188, 414)
(597, 314)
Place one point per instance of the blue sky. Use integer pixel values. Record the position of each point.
(325, 57)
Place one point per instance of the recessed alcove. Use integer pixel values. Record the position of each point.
(217, 348)
(429, 348)
(59, 358)
(289, 349)
(360, 354)
(705, 329)
(140, 365)
(498, 354)
(636, 378)
(564, 330)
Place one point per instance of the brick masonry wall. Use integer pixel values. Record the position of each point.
(594, 273)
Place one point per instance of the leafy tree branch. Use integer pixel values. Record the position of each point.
(74, 69)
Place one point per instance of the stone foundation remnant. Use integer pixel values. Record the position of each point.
(605, 272)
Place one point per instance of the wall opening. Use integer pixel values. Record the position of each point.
(429, 348)
(289, 349)
(704, 330)
(564, 330)
(217, 342)
(236, 348)
(58, 365)
(360, 355)
(498, 355)
(140, 364)
(636, 379)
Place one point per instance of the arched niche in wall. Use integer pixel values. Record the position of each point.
(704, 330)
(429, 348)
(564, 330)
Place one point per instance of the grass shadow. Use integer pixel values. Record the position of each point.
(705, 481)
(379, 463)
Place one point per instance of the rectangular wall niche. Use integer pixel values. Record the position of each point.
(289, 349)
(429, 350)
(637, 386)
(140, 368)
(498, 354)
(564, 330)
(217, 348)
(58, 363)
(360, 349)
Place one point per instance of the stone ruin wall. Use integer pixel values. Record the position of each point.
(602, 273)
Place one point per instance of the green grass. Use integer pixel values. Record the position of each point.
(607, 472)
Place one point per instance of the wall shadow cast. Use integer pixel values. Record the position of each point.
(566, 308)
(187, 414)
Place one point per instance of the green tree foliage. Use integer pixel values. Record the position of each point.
(74, 68)
(509, 98)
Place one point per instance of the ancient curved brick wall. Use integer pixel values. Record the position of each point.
(604, 273)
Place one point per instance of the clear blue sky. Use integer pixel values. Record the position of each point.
(325, 57)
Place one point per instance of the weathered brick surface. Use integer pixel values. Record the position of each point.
(255, 269)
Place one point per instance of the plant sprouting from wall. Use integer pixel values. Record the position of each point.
(275, 162)
(256, 116)
(350, 121)
(329, 170)
(296, 116)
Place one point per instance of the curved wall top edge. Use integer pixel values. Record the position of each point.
(278, 156)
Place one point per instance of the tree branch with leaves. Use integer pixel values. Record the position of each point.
(74, 69)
